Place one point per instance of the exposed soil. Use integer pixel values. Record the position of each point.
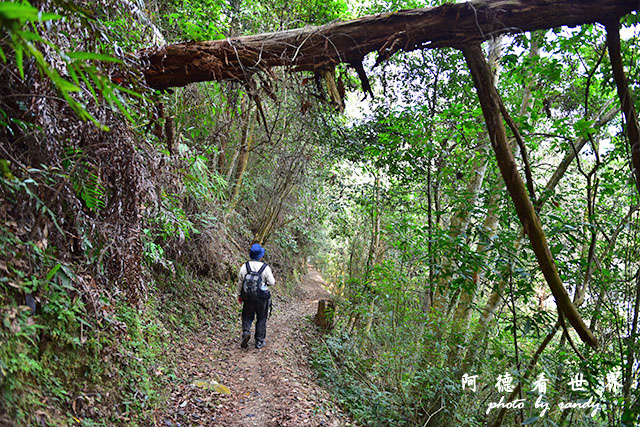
(273, 386)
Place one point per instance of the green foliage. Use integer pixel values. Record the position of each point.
(386, 383)
(196, 19)
(302, 12)
(203, 184)
(25, 24)
(52, 350)
(18, 188)
(172, 220)
(341, 367)
(408, 226)
(85, 180)
(201, 20)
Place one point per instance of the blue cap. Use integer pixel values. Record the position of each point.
(256, 252)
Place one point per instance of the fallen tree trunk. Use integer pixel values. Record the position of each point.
(317, 48)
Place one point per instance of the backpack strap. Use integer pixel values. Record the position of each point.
(264, 265)
(248, 268)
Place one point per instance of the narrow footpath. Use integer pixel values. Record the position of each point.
(273, 386)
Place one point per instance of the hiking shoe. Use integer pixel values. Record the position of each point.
(245, 340)
(259, 345)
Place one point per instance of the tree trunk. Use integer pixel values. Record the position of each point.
(243, 160)
(458, 225)
(317, 48)
(462, 312)
(272, 211)
(374, 245)
(490, 103)
(490, 225)
(629, 111)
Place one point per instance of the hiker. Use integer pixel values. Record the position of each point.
(253, 291)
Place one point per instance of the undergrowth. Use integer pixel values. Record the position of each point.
(65, 364)
(380, 379)
(72, 353)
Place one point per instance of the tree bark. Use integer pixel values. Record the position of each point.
(458, 226)
(243, 160)
(316, 48)
(490, 103)
(628, 109)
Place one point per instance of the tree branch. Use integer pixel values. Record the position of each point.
(489, 101)
(629, 111)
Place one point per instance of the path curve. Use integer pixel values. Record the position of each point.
(273, 386)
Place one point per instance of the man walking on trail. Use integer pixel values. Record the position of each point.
(253, 291)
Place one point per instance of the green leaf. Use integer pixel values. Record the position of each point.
(90, 56)
(73, 75)
(19, 58)
(53, 271)
(631, 19)
(65, 86)
(584, 126)
(530, 421)
(89, 86)
(42, 16)
(127, 91)
(31, 36)
(10, 10)
(24, 12)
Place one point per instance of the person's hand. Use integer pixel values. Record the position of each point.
(239, 299)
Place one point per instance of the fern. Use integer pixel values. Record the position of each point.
(85, 180)
(21, 21)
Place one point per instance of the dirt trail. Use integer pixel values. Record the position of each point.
(273, 386)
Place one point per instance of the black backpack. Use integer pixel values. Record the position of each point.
(252, 283)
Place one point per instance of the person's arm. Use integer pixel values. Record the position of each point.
(269, 276)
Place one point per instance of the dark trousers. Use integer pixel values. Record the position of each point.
(255, 309)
